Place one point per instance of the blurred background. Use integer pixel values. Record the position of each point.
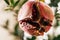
(9, 27)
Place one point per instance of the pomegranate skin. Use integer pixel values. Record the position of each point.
(35, 18)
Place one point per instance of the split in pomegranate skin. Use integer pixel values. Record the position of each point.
(35, 18)
(35, 12)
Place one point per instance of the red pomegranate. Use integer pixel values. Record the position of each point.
(35, 18)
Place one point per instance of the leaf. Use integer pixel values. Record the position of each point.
(7, 1)
(57, 38)
(54, 3)
(7, 23)
(12, 2)
(33, 38)
(16, 3)
(16, 29)
(58, 22)
(23, 3)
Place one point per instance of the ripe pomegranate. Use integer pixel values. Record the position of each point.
(35, 18)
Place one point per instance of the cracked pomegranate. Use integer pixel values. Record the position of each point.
(35, 18)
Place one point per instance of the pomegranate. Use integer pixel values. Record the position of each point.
(35, 18)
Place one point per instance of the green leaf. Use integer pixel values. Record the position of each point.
(16, 29)
(23, 3)
(33, 38)
(54, 3)
(12, 2)
(7, 1)
(57, 38)
(16, 3)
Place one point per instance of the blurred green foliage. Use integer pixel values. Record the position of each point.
(7, 23)
(33, 38)
(12, 3)
(56, 38)
(16, 29)
(7, 1)
(54, 3)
